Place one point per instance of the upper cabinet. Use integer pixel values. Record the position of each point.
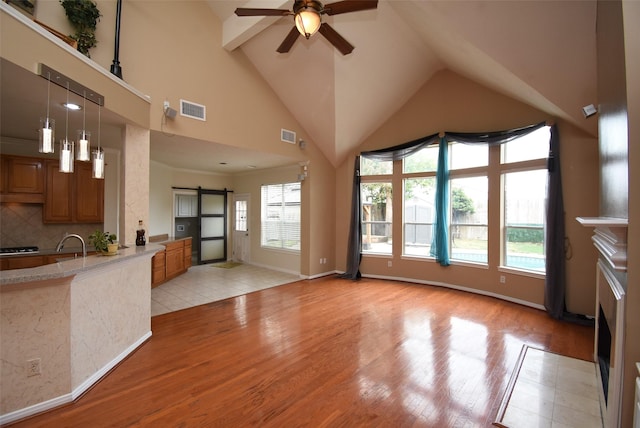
(22, 180)
(72, 198)
(186, 206)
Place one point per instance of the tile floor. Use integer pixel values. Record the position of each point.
(554, 391)
(206, 283)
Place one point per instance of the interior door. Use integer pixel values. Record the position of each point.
(212, 210)
(241, 240)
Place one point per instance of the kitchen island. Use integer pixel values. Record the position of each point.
(65, 325)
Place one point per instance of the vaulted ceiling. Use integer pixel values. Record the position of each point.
(542, 53)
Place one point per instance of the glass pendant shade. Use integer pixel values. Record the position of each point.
(98, 164)
(84, 146)
(66, 156)
(46, 135)
(307, 22)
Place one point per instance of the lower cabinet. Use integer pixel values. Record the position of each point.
(174, 260)
(158, 269)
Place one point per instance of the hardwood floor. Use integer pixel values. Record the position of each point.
(327, 352)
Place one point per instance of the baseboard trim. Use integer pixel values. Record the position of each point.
(460, 288)
(90, 381)
(320, 275)
(277, 269)
(77, 392)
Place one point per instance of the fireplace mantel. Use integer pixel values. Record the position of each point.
(610, 238)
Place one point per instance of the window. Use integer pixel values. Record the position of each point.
(468, 226)
(524, 180)
(280, 216)
(516, 170)
(377, 213)
(241, 216)
(374, 167)
(419, 185)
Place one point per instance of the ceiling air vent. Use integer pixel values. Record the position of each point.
(193, 110)
(288, 136)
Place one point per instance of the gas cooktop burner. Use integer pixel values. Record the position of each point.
(16, 250)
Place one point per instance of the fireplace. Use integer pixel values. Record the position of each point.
(604, 353)
(611, 241)
(608, 344)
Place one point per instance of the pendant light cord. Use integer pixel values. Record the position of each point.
(48, 93)
(84, 114)
(66, 127)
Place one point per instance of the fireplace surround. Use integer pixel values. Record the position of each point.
(610, 239)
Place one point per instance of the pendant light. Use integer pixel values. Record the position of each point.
(47, 130)
(84, 146)
(98, 155)
(66, 146)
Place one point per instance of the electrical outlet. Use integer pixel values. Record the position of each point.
(502, 279)
(320, 260)
(33, 367)
(389, 263)
(324, 261)
(166, 105)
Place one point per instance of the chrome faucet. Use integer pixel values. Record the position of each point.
(72, 235)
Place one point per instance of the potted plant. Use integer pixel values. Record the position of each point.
(104, 242)
(84, 16)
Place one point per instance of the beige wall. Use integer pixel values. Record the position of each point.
(631, 16)
(250, 183)
(162, 181)
(449, 102)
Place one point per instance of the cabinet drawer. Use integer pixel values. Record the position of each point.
(158, 268)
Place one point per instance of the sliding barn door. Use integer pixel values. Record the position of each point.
(212, 210)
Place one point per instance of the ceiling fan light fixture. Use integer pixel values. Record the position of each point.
(307, 21)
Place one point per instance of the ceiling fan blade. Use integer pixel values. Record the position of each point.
(349, 6)
(243, 11)
(336, 39)
(288, 41)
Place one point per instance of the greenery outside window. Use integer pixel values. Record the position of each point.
(524, 178)
(469, 230)
(377, 215)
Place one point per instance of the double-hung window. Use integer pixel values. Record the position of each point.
(377, 206)
(468, 202)
(280, 216)
(419, 188)
(524, 181)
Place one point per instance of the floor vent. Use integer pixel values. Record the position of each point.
(193, 110)
(287, 136)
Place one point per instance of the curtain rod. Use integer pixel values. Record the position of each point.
(200, 188)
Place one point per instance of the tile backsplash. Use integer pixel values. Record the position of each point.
(21, 225)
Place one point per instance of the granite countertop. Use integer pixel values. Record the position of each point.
(74, 266)
(165, 239)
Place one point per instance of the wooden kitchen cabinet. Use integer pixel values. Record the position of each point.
(187, 254)
(72, 198)
(158, 267)
(89, 193)
(22, 179)
(174, 260)
(23, 262)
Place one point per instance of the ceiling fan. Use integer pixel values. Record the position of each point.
(307, 15)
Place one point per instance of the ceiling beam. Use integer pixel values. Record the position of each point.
(237, 30)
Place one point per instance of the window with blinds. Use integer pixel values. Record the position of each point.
(280, 216)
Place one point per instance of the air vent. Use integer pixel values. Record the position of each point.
(288, 136)
(193, 110)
